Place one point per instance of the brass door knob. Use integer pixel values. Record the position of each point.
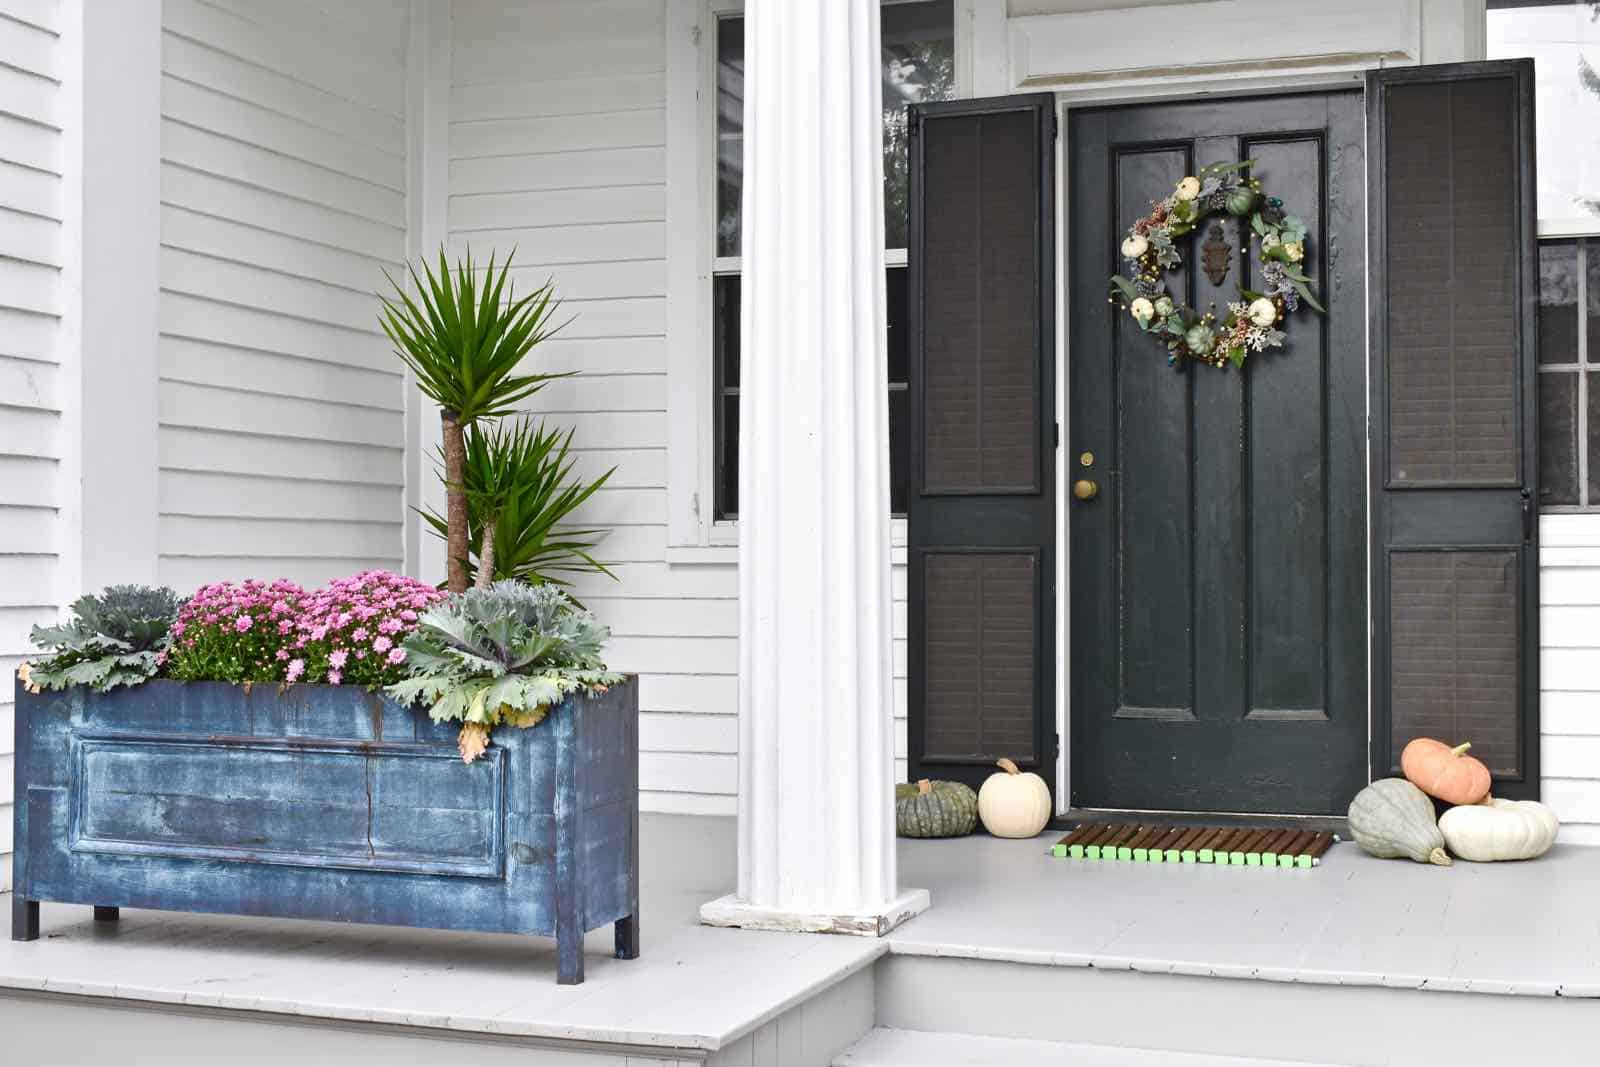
(1084, 489)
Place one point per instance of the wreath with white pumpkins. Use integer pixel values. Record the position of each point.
(1253, 322)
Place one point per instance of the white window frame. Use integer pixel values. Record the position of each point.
(694, 535)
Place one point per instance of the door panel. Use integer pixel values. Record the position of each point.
(1218, 577)
(981, 507)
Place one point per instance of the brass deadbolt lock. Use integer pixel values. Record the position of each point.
(1086, 459)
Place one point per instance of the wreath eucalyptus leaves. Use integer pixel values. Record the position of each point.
(1252, 323)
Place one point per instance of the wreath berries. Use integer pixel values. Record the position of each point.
(1251, 323)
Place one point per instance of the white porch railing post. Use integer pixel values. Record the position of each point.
(816, 741)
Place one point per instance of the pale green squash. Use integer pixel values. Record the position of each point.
(1392, 818)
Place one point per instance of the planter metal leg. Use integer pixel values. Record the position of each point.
(24, 919)
(106, 915)
(569, 959)
(627, 933)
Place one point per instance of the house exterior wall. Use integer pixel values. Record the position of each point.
(289, 179)
(283, 200)
(583, 168)
(34, 355)
(1569, 619)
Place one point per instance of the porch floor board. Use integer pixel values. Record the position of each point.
(1527, 929)
(1518, 928)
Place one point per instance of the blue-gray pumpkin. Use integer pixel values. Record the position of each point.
(934, 809)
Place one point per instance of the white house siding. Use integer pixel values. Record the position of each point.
(558, 147)
(283, 199)
(1569, 596)
(32, 248)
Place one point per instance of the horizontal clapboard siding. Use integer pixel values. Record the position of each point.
(558, 147)
(32, 252)
(283, 187)
(1569, 600)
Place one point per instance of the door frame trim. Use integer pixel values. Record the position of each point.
(1066, 102)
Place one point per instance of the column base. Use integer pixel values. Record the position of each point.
(731, 911)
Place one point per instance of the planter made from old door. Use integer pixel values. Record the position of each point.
(328, 802)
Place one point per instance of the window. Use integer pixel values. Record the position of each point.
(1564, 40)
(1569, 373)
(918, 65)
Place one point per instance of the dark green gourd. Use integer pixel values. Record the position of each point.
(934, 809)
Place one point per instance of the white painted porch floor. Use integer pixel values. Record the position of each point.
(1509, 928)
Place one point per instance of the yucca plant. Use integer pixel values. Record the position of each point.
(502, 655)
(520, 488)
(116, 638)
(463, 340)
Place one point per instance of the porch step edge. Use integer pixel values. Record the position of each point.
(887, 1047)
(901, 945)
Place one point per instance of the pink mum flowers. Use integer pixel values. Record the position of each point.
(350, 627)
(344, 633)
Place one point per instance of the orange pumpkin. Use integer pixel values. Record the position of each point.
(1444, 772)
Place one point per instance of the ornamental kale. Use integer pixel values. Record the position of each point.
(117, 638)
(502, 656)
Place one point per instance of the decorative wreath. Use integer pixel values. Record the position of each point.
(1252, 322)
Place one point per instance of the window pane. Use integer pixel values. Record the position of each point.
(725, 342)
(899, 324)
(730, 132)
(899, 448)
(1594, 438)
(728, 456)
(1564, 41)
(1558, 302)
(726, 289)
(1558, 437)
(919, 63)
(1592, 251)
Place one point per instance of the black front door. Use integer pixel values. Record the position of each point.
(1218, 576)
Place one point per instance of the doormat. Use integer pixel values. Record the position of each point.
(1235, 846)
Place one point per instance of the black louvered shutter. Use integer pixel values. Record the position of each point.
(981, 507)
(1454, 407)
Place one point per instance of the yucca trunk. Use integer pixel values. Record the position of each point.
(486, 553)
(455, 467)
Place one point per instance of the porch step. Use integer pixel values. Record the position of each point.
(884, 1047)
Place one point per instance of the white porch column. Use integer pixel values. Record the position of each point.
(816, 742)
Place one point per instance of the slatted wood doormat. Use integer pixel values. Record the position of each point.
(1236, 846)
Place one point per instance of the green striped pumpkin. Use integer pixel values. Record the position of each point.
(934, 809)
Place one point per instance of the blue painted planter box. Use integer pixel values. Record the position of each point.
(328, 802)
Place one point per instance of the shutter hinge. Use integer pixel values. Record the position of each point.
(1058, 435)
(1055, 126)
(1527, 517)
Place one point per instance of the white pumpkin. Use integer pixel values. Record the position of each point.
(1014, 804)
(1499, 830)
